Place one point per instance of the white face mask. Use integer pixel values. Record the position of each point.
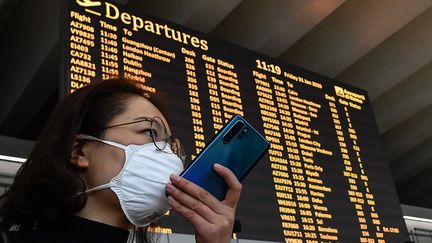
(140, 185)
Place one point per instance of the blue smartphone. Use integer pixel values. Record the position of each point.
(237, 146)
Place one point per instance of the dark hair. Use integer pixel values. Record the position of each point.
(46, 185)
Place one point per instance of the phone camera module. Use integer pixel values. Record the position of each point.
(233, 131)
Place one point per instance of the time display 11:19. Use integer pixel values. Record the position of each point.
(268, 67)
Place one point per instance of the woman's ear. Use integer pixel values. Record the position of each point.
(78, 157)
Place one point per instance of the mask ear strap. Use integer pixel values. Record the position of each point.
(96, 188)
(88, 137)
(100, 187)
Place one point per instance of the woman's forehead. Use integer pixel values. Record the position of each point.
(137, 107)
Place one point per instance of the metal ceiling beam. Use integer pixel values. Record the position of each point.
(420, 184)
(408, 134)
(15, 147)
(200, 15)
(7, 8)
(177, 11)
(295, 24)
(273, 26)
(349, 33)
(417, 189)
(26, 41)
(35, 96)
(395, 59)
(404, 100)
(412, 162)
(210, 14)
(424, 200)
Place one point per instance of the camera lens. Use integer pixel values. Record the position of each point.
(243, 132)
(232, 132)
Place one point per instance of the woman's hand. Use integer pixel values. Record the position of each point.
(212, 219)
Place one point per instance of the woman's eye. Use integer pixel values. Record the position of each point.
(148, 132)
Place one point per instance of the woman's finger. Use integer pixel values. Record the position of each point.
(191, 203)
(197, 192)
(234, 186)
(194, 218)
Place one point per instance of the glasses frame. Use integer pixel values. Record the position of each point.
(175, 143)
(165, 137)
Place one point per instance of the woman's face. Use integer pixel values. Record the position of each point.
(106, 161)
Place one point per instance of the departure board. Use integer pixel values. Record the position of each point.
(324, 179)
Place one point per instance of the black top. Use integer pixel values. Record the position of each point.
(72, 229)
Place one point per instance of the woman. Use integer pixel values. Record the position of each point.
(104, 166)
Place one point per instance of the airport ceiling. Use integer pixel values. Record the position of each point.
(384, 47)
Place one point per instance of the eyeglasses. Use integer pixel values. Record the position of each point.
(158, 134)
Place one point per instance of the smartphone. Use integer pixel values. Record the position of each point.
(237, 146)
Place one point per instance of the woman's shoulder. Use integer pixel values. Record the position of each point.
(69, 229)
(25, 234)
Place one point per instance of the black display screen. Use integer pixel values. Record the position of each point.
(324, 179)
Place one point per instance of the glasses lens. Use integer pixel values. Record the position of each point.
(178, 149)
(159, 133)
